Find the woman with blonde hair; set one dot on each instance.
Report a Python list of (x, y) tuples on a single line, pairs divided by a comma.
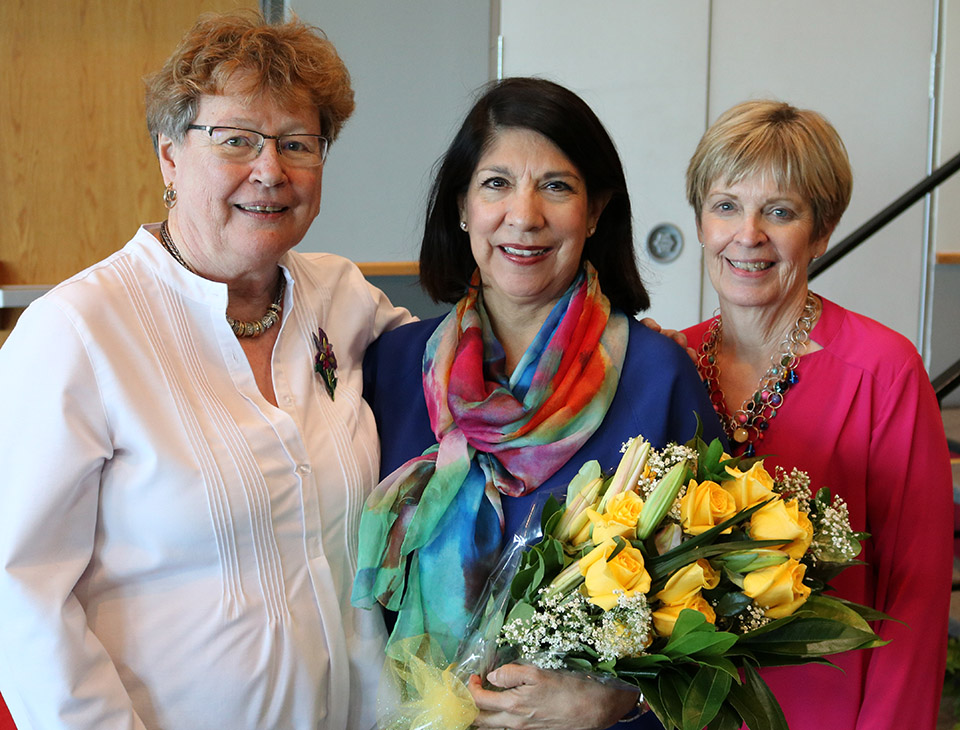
[(812, 385)]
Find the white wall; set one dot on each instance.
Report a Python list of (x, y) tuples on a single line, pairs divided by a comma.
[(414, 65), (657, 72), (865, 65), (642, 67)]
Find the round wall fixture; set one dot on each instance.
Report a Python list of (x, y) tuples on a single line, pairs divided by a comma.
[(664, 243)]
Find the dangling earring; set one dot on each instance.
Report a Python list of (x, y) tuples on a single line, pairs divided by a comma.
[(170, 196), (463, 226)]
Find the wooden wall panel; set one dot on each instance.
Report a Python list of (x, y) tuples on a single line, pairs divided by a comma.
[(78, 173)]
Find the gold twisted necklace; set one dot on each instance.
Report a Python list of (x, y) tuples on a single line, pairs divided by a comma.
[(239, 327), (749, 423)]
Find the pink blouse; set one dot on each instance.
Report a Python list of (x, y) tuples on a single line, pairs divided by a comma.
[(864, 421)]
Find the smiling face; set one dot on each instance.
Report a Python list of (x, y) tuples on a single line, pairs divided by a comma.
[(757, 243), (232, 219), (528, 214)]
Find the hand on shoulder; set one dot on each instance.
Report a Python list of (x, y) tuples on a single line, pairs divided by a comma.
[(675, 335)]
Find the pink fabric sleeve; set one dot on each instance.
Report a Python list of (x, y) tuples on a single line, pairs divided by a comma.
[(910, 510)]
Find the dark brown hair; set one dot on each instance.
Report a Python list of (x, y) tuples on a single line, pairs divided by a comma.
[(446, 261)]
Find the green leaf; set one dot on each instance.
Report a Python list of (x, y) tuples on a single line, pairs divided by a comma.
[(809, 636), (721, 663), (554, 559), (673, 686), (578, 664), (704, 697), (831, 608), (711, 460), (762, 659), (726, 719), (620, 545), (651, 694), (520, 585), (688, 621), (521, 610), (636, 662), (756, 704), (866, 612), (702, 643), (731, 604), (607, 667), (693, 634), (528, 581), (551, 514)]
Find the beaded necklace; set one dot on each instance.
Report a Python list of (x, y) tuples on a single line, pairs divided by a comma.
[(239, 327), (748, 424)]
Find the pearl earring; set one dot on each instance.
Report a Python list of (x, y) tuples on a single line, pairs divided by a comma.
[(463, 226)]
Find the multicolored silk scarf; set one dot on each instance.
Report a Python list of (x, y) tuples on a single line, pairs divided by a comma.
[(432, 531)]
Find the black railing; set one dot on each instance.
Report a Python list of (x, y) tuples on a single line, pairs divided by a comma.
[(837, 252), (949, 380)]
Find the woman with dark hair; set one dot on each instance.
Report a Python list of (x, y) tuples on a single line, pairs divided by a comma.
[(540, 367)]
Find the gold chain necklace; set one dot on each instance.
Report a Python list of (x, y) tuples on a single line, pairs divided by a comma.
[(749, 423), (239, 327)]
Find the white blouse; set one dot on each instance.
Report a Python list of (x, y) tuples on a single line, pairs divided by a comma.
[(176, 552)]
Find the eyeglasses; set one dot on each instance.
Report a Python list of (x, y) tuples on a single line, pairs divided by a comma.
[(244, 145)]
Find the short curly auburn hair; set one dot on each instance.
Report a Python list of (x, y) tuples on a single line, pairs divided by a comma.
[(292, 63)]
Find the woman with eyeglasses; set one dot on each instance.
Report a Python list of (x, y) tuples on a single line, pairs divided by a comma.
[(185, 449)]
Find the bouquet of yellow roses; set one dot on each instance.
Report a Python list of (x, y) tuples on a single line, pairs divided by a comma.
[(680, 575)]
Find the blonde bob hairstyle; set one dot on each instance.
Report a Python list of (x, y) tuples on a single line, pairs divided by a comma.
[(797, 148), (291, 63)]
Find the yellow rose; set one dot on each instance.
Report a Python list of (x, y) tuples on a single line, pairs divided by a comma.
[(620, 518), (666, 616), (688, 581), (750, 487), (625, 573), (625, 508), (605, 529), (704, 505), (779, 589), (783, 520)]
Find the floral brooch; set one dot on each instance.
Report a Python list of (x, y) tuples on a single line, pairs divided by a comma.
[(325, 362)]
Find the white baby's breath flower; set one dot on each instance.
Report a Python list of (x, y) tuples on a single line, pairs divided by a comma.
[(625, 630), (563, 625), (753, 618), (795, 485), (833, 538)]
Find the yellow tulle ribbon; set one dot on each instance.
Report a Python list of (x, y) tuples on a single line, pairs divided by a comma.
[(421, 691)]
